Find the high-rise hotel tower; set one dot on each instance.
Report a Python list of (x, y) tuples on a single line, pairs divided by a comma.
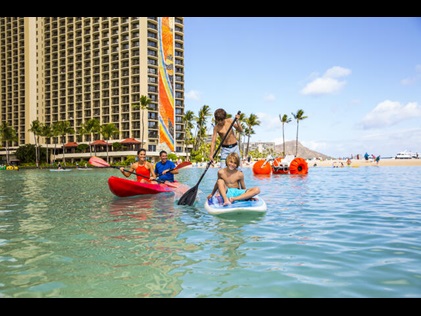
[(80, 68)]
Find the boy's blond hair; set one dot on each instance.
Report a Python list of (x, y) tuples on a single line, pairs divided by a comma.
[(234, 157)]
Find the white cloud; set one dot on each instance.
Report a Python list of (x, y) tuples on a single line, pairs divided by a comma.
[(388, 113), (328, 83), (269, 97), (193, 95), (411, 80)]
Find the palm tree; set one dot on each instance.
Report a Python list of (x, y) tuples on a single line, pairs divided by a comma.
[(63, 128), (284, 120), (142, 105), (242, 118), (36, 128), (107, 130), (92, 126), (56, 132), (188, 119), (47, 132), (201, 130), (7, 134), (299, 116), (251, 121)]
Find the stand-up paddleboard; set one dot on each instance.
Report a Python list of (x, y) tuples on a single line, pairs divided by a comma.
[(215, 205), (60, 169)]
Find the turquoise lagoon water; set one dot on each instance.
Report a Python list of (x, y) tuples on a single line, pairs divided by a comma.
[(336, 232)]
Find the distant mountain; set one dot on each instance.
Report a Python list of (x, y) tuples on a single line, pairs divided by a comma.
[(303, 152)]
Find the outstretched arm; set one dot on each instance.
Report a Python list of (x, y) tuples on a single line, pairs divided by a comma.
[(127, 174), (215, 188)]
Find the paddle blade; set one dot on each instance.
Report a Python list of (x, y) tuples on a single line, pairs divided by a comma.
[(183, 164), (189, 197), (98, 162)]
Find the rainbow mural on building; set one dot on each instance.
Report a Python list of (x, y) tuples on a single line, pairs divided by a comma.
[(165, 83)]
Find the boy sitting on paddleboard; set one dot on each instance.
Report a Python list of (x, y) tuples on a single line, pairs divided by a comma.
[(230, 182)]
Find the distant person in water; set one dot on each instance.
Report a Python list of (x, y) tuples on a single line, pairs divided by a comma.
[(230, 182)]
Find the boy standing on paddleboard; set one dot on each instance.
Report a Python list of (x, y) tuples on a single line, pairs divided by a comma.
[(222, 125), (230, 182)]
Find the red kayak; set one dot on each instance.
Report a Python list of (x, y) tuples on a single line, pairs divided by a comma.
[(123, 187)]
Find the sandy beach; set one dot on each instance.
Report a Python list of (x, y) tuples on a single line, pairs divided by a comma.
[(342, 163), (367, 163)]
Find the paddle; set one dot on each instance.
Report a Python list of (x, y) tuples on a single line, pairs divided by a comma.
[(190, 196), (101, 163)]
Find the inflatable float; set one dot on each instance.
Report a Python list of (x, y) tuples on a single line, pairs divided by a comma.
[(287, 165), (10, 168), (215, 205)]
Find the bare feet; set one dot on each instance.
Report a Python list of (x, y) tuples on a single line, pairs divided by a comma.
[(227, 203)]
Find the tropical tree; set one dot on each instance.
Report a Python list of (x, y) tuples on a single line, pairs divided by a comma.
[(36, 129), (299, 116), (251, 121), (107, 131), (92, 127), (284, 120), (143, 104), (239, 134), (201, 128), (188, 119), (7, 134), (26, 153), (46, 132), (56, 133), (63, 128)]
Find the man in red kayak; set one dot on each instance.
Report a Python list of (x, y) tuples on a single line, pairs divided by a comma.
[(144, 169), (165, 168)]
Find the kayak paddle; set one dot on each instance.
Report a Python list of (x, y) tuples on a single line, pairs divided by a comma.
[(101, 163), (190, 196)]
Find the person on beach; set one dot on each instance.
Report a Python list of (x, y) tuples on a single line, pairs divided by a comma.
[(165, 168), (230, 145), (377, 159), (230, 182), (144, 169)]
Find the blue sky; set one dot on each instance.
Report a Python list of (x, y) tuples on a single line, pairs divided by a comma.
[(358, 79)]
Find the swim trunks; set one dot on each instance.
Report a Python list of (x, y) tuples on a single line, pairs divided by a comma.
[(234, 192)]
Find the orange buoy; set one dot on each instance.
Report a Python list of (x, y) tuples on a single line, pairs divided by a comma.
[(278, 167), (262, 167), (298, 166)]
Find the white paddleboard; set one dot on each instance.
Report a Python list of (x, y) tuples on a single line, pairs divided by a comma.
[(215, 205)]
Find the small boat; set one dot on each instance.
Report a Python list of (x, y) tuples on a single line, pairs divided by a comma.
[(406, 155), (123, 187), (60, 169), (215, 205)]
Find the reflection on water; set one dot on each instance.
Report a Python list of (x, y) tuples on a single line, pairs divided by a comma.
[(343, 232)]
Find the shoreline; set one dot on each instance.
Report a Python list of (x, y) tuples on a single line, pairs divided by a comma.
[(387, 162), (366, 163)]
